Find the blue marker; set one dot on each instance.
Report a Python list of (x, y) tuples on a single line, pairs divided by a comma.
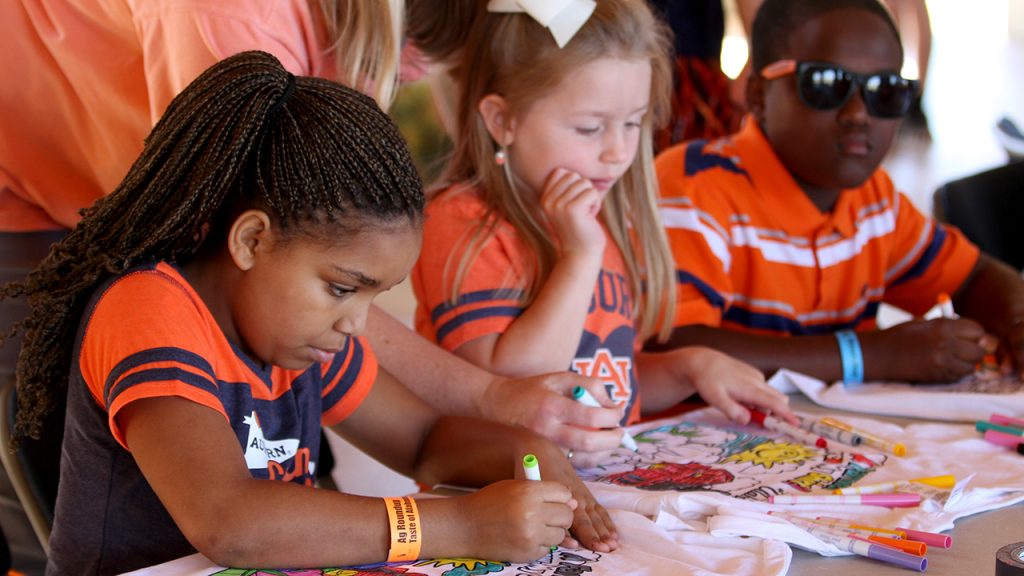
[(581, 395)]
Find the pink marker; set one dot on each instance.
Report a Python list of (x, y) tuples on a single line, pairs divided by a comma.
[(893, 500), (1003, 438), (1006, 420), (929, 538)]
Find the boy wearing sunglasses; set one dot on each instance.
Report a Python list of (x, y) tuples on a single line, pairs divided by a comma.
[(791, 228)]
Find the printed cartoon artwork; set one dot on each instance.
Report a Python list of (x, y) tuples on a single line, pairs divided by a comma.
[(688, 456), (678, 456), (559, 563)]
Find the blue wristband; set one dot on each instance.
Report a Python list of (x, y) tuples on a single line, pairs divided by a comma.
[(849, 354)]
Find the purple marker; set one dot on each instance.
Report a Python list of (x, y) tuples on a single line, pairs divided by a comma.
[(929, 538), (869, 550)]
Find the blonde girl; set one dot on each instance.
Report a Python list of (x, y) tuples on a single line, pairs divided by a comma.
[(545, 251)]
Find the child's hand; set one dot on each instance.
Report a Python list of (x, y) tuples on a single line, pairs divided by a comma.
[(544, 405), (571, 204), (591, 525), (518, 520), (728, 384), (940, 350)]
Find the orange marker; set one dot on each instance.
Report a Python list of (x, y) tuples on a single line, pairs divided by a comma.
[(946, 306)]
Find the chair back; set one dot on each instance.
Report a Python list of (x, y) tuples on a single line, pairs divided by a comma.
[(33, 468), (988, 208)]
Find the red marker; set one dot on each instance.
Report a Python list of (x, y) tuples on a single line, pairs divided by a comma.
[(775, 425)]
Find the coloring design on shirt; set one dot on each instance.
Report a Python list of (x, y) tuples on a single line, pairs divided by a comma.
[(560, 562), (686, 456)]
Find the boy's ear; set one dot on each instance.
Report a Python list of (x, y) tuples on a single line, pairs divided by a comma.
[(250, 234), (495, 114), (755, 96)]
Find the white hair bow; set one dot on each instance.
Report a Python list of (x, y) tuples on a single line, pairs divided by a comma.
[(562, 17)]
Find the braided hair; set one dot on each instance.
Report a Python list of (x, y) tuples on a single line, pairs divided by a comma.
[(313, 154)]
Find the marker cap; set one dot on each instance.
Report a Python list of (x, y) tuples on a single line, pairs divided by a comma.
[(909, 546), (929, 538), (531, 468), (583, 396)]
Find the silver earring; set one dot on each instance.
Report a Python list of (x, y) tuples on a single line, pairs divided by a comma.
[(500, 157)]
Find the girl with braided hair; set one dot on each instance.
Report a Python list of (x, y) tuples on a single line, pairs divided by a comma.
[(204, 320)]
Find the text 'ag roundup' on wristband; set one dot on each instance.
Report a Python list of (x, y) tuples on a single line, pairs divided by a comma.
[(406, 537)]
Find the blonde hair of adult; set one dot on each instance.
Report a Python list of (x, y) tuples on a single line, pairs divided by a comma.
[(513, 56), (367, 44)]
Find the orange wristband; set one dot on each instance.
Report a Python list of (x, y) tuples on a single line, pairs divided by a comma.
[(405, 529)]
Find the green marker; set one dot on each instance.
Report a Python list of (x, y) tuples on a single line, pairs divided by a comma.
[(581, 395), (531, 468)]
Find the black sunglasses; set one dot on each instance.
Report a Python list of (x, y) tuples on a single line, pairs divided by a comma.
[(825, 86)]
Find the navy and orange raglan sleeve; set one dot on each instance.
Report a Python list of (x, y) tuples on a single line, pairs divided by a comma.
[(146, 337), (927, 258), (489, 297), (347, 380), (690, 180)]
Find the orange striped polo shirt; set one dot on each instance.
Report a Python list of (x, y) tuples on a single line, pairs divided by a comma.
[(753, 253)]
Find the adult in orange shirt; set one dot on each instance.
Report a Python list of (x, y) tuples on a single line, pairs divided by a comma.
[(790, 228), (93, 75)]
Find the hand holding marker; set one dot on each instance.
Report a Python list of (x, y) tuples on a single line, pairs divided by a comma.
[(581, 395), (531, 470), (944, 309)]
